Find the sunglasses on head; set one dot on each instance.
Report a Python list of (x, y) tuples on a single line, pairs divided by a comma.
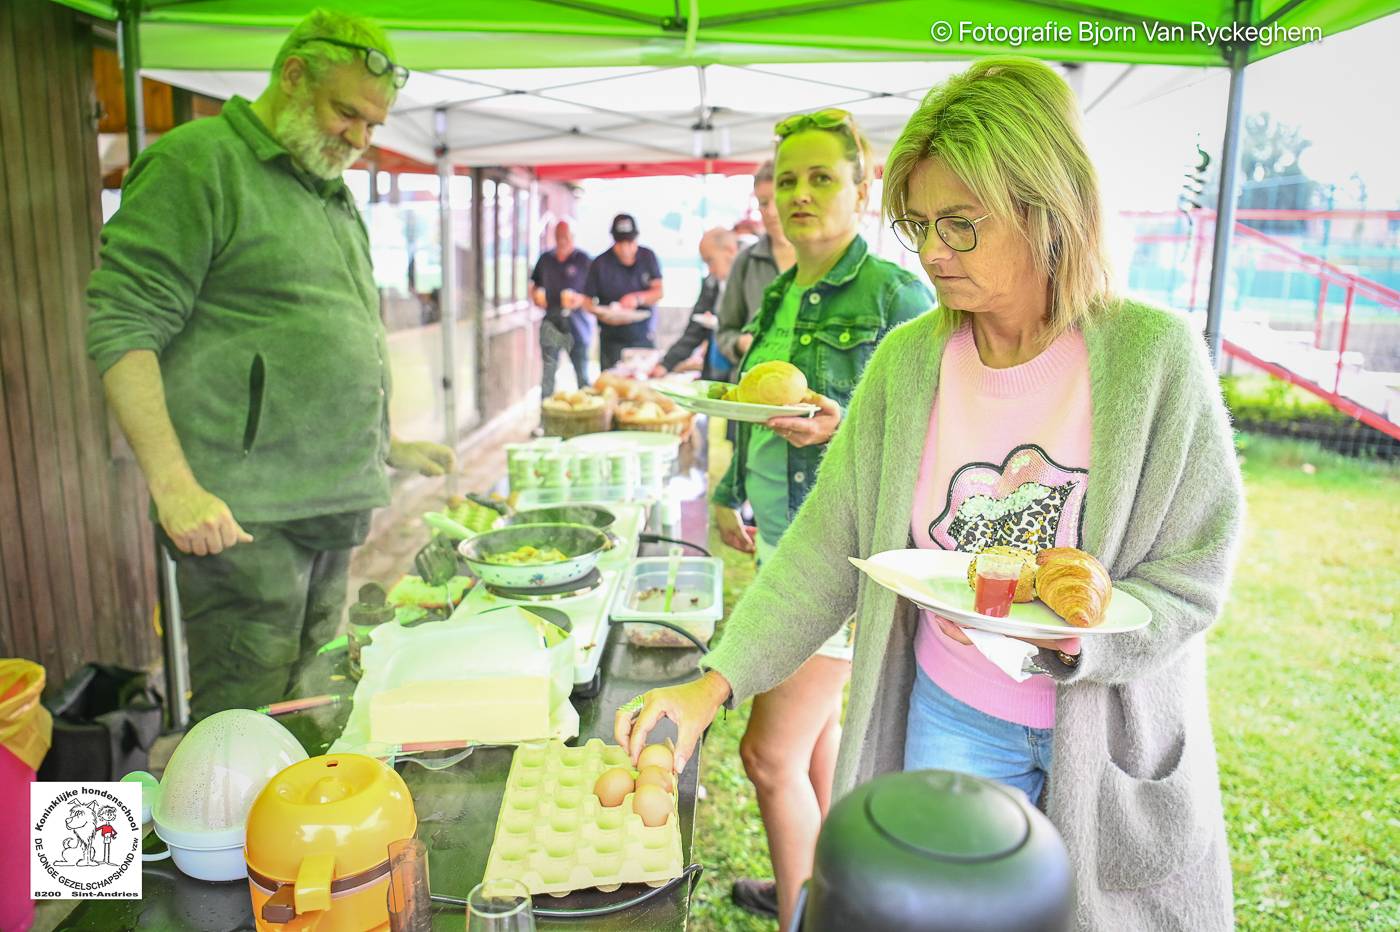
[(376, 62), (829, 119)]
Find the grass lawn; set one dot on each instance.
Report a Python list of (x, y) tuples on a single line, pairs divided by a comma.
[(1303, 700)]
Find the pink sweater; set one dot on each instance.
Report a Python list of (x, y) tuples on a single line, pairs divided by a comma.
[(1005, 462)]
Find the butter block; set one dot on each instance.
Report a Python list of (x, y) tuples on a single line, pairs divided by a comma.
[(489, 709)]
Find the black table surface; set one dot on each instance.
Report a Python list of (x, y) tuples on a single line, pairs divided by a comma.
[(457, 809)]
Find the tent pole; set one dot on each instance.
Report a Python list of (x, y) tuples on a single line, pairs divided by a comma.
[(129, 40), (447, 292), (176, 662), (1225, 203)]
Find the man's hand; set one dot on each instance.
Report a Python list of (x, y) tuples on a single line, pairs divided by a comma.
[(628, 301), (707, 320), (743, 343), (198, 522), (422, 456)]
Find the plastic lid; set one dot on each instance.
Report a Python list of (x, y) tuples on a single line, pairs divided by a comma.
[(948, 816), (346, 804), (219, 769)]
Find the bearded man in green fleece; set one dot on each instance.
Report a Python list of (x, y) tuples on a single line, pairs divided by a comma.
[(235, 321)]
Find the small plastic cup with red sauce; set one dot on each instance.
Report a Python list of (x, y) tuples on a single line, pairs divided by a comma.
[(997, 576)]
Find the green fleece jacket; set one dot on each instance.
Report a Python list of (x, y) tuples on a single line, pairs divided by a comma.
[(1134, 789), (252, 282)]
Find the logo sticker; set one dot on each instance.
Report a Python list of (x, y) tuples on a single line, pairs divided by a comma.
[(85, 841)]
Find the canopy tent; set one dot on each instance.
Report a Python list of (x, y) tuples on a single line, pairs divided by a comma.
[(657, 41), (445, 34), (614, 119)]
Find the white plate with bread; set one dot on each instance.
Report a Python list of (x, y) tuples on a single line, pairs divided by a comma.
[(1071, 580)]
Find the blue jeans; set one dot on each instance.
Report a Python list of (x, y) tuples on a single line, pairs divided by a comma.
[(945, 734)]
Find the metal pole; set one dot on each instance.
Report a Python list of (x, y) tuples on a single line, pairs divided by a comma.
[(177, 665), (129, 39), (447, 292), (1225, 203)]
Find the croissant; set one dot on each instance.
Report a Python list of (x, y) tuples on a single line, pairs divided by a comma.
[(1025, 585), (1074, 585)]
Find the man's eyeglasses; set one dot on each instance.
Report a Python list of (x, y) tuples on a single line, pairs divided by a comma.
[(958, 233), (376, 62), (832, 118)]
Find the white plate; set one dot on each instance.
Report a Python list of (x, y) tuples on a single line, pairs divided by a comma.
[(937, 580), (693, 397)]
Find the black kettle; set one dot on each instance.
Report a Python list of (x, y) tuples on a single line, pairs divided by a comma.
[(936, 851)]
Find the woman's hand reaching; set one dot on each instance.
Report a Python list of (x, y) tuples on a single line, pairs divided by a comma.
[(692, 706)]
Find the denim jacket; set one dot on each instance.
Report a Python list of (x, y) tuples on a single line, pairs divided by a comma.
[(841, 319)]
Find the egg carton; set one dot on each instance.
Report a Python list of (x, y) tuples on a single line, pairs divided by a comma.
[(554, 836)]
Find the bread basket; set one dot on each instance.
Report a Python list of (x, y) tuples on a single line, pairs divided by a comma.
[(559, 419)]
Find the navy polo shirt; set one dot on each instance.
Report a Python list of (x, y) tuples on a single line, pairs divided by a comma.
[(554, 276), (609, 280)]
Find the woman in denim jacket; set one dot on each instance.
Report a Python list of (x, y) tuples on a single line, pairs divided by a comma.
[(824, 315)]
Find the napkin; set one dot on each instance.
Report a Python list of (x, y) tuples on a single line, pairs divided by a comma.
[(1008, 654)]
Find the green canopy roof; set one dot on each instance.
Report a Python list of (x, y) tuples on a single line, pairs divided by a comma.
[(439, 34)]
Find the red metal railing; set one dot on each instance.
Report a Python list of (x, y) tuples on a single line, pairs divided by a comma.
[(1328, 275)]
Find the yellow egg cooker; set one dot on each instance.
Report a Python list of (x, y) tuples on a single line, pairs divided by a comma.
[(317, 844)]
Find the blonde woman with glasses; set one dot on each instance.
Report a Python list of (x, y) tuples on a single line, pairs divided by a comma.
[(1033, 408)]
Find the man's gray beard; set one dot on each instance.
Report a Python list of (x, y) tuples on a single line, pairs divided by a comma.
[(296, 129)]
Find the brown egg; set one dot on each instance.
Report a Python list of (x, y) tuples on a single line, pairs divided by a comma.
[(653, 804), (656, 755), (656, 776), (613, 786)]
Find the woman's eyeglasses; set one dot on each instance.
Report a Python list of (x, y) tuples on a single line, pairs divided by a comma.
[(376, 62), (832, 118), (958, 233)]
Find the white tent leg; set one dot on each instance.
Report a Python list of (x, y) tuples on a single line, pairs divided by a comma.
[(447, 293)]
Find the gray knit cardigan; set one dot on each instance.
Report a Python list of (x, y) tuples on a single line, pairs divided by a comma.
[(1134, 788)]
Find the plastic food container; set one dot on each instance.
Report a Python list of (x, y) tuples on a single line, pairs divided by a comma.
[(318, 844), (202, 804), (698, 601)]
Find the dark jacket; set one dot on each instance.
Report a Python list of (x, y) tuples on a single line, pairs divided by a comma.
[(696, 334), (754, 270)]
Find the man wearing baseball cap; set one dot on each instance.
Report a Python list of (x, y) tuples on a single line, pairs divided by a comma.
[(623, 287)]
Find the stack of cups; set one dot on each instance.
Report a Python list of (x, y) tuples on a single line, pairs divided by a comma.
[(623, 471), (589, 470), (555, 470), (522, 465), (652, 466)]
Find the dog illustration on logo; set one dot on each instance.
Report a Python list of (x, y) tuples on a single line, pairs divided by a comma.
[(72, 853), (82, 821)]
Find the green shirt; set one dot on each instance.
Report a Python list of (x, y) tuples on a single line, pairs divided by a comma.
[(251, 280), (766, 479)]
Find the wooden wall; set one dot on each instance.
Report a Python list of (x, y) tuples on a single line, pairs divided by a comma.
[(77, 576)]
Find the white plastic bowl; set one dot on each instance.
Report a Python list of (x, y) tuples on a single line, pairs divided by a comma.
[(205, 856), (218, 769)]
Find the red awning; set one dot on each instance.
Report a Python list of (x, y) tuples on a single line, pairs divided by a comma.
[(576, 171)]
